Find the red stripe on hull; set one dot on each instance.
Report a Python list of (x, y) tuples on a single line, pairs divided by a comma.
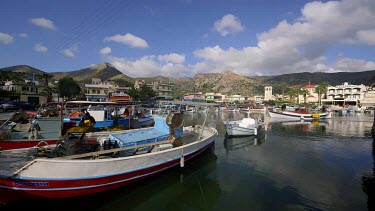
[(52, 188), (17, 144)]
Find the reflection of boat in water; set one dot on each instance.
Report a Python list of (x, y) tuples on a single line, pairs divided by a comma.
[(234, 143), (317, 123), (177, 189)]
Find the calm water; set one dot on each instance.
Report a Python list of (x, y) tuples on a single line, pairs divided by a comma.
[(290, 166)]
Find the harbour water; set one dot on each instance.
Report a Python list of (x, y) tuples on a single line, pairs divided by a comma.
[(324, 165)]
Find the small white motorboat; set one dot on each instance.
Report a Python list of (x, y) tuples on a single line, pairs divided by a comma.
[(244, 127)]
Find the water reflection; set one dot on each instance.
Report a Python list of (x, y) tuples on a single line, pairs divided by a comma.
[(368, 183), (189, 188), (235, 143)]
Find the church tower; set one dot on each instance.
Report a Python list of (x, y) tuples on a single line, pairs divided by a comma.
[(268, 93)]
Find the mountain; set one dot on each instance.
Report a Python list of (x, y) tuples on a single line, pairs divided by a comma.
[(20, 73), (104, 71), (227, 83), (22, 69)]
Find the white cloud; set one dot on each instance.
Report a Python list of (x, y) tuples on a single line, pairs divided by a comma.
[(43, 22), (40, 48), (173, 58), (5, 38), (352, 65), (70, 52), (128, 39), (149, 66), (105, 51), (299, 46), (23, 35), (366, 36), (228, 24)]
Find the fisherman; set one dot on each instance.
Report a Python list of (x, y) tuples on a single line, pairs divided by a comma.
[(34, 130), (88, 120), (283, 107)]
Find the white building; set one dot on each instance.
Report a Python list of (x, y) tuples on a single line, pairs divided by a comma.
[(311, 96), (344, 94)]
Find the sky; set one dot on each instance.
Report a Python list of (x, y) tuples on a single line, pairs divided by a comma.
[(181, 38)]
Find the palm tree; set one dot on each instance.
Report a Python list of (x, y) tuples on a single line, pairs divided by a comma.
[(48, 91), (283, 87), (304, 92), (292, 93), (321, 89)]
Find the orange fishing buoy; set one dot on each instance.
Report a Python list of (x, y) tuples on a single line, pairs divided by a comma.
[(74, 114)]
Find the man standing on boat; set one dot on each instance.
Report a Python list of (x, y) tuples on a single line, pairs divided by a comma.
[(88, 120), (34, 130)]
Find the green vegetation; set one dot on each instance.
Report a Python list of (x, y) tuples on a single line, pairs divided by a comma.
[(144, 93), (68, 88)]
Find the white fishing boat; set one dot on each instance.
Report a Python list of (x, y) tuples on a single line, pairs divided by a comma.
[(59, 172), (244, 127), (298, 115)]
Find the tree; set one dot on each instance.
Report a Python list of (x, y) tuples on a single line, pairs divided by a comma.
[(133, 93), (304, 92), (321, 89), (68, 88), (143, 93), (146, 93), (48, 92), (292, 93)]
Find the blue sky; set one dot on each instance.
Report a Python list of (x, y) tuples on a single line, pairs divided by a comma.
[(184, 37)]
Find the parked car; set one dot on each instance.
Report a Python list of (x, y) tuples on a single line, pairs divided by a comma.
[(16, 105)]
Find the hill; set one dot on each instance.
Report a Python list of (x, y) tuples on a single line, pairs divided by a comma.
[(227, 83), (104, 71), (20, 73)]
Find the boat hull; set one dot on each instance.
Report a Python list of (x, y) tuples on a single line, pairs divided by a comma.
[(233, 130), (17, 144), (292, 115)]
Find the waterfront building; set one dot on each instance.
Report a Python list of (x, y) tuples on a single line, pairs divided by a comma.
[(29, 90), (368, 98), (258, 99), (234, 98), (195, 97), (344, 94), (163, 89), (99, 91), (219, 98), (311, 96)]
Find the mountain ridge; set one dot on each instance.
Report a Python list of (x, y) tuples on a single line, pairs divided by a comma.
[(227, 82)]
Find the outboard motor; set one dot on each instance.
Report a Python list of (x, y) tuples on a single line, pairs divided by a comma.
[(175, 122)]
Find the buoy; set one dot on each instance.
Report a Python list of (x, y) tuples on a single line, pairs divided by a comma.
[(182, 161)]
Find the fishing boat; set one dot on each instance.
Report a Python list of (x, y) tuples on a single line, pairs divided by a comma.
[(277, 113), (21, 131), (79, 166), (108, 114), (257, 108), (244, 127), (244, 109), (189, 109)]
